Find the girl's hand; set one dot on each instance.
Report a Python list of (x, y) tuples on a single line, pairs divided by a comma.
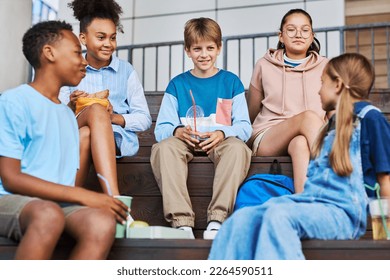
[(214, 138), (73, 97)]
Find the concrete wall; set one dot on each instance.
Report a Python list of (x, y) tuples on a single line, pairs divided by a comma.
[(152, 21), (15, 18), (149, 21)]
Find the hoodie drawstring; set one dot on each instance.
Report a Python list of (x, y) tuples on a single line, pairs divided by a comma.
[(283, 90), (304, 89)]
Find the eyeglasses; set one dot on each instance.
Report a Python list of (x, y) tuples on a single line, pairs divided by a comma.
[(292, 31)]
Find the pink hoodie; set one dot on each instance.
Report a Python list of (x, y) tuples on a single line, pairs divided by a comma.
[(286, 91)]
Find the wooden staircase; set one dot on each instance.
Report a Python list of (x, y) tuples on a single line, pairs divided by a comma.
[(136, 178)]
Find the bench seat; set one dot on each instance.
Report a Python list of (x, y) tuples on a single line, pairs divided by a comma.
[(136, 178)]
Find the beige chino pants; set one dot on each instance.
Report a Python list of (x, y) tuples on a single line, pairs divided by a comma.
[(169, 161)]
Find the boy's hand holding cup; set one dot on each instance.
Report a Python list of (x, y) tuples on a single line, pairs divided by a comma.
[(121, 227)]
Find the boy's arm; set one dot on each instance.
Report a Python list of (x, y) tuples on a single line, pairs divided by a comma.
[(16, 182), (241, 126), (138, 118), (168, 118)]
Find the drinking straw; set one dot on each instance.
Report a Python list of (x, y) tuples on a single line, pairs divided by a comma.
[(384, 222), (107, 184), (194, 108), (129, 219)]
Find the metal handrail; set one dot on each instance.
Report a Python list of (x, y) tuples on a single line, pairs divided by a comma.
[(153, 67), (325, 31), (44, 6)]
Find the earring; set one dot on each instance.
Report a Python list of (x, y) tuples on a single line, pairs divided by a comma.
[(282, 45)]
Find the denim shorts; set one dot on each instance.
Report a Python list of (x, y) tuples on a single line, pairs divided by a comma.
[(10, 208)]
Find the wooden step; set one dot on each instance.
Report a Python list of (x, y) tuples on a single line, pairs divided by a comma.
[(198, 249), (136, 179)]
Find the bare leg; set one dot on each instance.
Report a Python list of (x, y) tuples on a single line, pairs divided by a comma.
[(277, 140), (102, 143), (299, 151), (94, 231), (85, 155), (42, 223)]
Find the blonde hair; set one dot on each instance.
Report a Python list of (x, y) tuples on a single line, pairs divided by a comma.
[(357, 76), (202, 29)]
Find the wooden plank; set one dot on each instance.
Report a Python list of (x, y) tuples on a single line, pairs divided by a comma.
[(381, 82), (381, 99), (366, 7), (198, 249), (380, 51), (363, 37), (144, 249), (346, 249), (362, 19)]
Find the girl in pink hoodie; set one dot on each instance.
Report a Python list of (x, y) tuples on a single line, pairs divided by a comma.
[(283, 100)]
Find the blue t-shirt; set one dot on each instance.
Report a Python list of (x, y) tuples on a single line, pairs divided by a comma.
[(374, 143), (41, 134)]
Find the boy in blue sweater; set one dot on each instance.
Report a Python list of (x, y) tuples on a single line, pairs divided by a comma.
[(224, 124)]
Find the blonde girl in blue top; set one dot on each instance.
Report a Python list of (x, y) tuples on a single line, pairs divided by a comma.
[(333, 204)]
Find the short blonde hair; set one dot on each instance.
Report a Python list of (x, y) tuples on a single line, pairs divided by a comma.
[(202, 29)]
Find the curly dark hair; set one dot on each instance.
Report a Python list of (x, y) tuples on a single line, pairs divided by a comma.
[(87, 10), (42, 33)]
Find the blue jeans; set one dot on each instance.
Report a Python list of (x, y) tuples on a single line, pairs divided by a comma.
[(330, 207)]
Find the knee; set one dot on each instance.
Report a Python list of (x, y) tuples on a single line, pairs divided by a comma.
[(100, 226), (236, 147), (310, 115), (98, 113), (298, 144), (46, 216), (311, 118), (85, 136)]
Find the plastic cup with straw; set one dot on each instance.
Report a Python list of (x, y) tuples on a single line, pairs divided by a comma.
[(129, 218), (194, 108), (376, 188)]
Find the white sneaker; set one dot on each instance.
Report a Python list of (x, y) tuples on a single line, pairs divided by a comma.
[(189, 229), (212, 230), (210, 234)]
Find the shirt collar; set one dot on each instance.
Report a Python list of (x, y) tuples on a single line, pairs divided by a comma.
[(114, 64)]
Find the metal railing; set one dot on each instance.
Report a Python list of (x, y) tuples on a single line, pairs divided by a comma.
[(43, 11), (157, 63)]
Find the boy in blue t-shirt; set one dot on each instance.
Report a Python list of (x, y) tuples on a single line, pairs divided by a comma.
[(217, 98), (39, 157)]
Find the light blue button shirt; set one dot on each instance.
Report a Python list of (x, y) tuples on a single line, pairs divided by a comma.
[(126, 96)]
